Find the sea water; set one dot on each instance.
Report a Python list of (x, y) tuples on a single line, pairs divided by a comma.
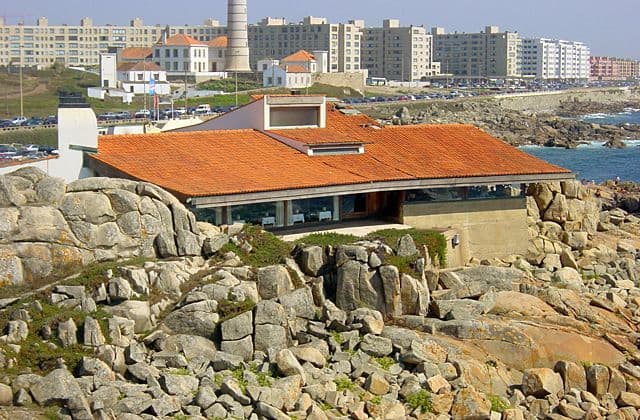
[(593, 161)]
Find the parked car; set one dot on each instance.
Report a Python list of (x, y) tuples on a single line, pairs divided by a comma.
[(7, 152), (123, 115), (143, 113), (203, 109), (5, 123), (51, 120), (17, 121), (30, 147)]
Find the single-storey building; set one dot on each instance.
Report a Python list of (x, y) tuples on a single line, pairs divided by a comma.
[(288, 161)]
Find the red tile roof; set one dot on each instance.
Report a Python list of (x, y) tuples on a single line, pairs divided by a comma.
[(183, 41), (340, 129), (295, 68), (136, 53), (219, 42), (210, 163), (140, 66), (300, 55)]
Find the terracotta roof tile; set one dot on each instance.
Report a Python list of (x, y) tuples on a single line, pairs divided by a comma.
[(139, 66), (183, 40), (210, 163), (219, 42), (136, 53), (295, 68), (300, 55)]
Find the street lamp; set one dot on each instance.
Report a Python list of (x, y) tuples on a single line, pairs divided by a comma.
[(21, 97)]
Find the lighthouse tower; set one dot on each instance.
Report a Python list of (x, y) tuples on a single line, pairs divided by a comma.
[(237, 57)]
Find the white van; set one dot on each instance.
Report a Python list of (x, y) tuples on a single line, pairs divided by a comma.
[(203, 109)]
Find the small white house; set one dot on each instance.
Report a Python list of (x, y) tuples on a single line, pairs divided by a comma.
[(280, 75), (293, 71), (137, 78)]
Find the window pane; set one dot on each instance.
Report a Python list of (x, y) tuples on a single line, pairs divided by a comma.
[(253, 213), (313, 210)]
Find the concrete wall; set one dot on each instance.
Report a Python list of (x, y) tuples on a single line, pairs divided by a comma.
[(356, 81), (487, 228), (549, 101)]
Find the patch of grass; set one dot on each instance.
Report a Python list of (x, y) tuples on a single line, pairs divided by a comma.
[(420, 399), (325, 406), (328, 238), (228, 309), (238, 375), (377, 399), (264, 378), (35, 355), (344, 384), (498, 404), (51, 413), (179, 371), (229, 85), (337, 337), (267, 250), (41, 136), (96, 274), (405, 265), (434, 241), (384, 362)]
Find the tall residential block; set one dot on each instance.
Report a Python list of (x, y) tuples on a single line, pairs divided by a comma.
[(274, 38), (397, 53), (613, 68), (237, 55), (486, 54), (551, 59), (42, 45)]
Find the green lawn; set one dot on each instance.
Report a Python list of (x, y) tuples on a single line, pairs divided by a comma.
[(41, 90)]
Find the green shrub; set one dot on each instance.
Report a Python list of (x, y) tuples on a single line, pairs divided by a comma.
[(328, 238), (228, 309), (267, 250), (344, 384), (385, 362), (498, 404), (434, 241), (420, 399)]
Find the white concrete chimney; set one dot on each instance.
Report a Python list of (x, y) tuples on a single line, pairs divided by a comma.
[(237, 55)]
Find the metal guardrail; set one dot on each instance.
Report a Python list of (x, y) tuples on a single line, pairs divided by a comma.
[(27, 127)]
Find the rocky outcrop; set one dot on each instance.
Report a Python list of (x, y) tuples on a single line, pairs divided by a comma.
[(48, 228), (339, 331), (516, 127)]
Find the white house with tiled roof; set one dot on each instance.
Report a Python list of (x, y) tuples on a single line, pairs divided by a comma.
[(182, 54), (137, 78), (292, 72)]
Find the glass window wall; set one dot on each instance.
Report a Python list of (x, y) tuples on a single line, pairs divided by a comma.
[(258, 214), (312, 210)]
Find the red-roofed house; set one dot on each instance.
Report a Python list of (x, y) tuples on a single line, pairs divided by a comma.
[(181, 54), (143, 77), (217, 53), (293, 72), (285, 161)]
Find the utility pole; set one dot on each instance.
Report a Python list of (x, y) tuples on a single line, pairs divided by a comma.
[(21, 97)]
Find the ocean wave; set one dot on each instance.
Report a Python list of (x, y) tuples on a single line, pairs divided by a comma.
[(596, 116)]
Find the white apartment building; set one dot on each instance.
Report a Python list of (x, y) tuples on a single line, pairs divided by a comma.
[(549, 59), (182, 54), (42, 45), (277, 38), (398, 53), (486, 54)]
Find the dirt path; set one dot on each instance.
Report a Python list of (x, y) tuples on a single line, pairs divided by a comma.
[(41, 88)]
